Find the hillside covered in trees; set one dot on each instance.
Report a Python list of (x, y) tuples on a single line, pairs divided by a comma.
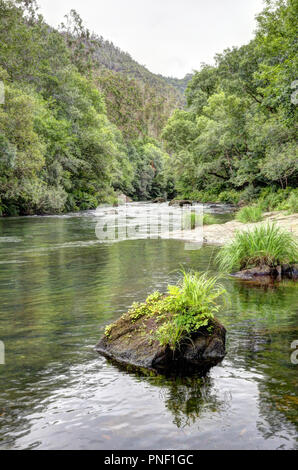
[(237, 138), (82, 120)]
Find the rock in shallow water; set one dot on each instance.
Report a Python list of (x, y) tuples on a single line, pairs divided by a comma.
[(133, 343), (285, 271)]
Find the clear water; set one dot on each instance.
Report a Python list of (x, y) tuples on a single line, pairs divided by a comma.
[(59, 287)]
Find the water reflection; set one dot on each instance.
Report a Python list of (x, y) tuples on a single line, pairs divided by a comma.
[(58, 290)]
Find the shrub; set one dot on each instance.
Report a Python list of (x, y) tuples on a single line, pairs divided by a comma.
[(249, 214), (199, 196), (249, 194), (229, 197), (193, 307), (265, 245), (271, 200), (291, 204)]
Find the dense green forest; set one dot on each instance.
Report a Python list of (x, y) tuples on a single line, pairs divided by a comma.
[(237, 139), (83, 121)]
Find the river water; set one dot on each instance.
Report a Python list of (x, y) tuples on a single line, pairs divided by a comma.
[(60, 286)]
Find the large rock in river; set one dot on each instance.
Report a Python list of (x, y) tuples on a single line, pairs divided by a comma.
[(133, 342)]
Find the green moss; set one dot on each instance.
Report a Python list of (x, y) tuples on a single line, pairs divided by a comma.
[(108, 330)]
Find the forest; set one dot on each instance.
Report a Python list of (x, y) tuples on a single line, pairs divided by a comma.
[(82, 121)]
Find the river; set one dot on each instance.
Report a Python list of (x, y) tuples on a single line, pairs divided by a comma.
[(60, 286)]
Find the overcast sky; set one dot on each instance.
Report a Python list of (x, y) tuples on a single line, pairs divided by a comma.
[(171, 37)]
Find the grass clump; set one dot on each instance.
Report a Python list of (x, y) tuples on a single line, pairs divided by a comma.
[(249, 214), (267, 245), (185, 309), (192, 306), (193, 220)]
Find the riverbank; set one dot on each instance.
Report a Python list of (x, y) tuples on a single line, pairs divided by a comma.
[(219, 234)]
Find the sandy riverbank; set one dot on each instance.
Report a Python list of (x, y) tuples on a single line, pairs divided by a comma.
[(219, 234)]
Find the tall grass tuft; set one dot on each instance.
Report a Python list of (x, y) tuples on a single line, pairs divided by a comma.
[(265, 245), (249, 214), (199, 291), (192, 305)]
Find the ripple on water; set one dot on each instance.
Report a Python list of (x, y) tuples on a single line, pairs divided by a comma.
[(57, 393)]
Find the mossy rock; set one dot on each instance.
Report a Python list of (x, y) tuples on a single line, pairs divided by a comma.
[(132, 341)]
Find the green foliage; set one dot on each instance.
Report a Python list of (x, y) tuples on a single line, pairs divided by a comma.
[(71, 132), (193, 307), (249, 214), (239, 133), (229, 197), (136, 110), (82, 120), (148, 162), (270, 200), (265, 245), (108, 329), (291, 204), (183, 311)]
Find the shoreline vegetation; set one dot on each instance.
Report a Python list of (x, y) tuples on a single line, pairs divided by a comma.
[(83, 124)]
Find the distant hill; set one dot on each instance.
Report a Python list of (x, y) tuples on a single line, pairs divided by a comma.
[(138, 101), (113, 58), (179, 83)]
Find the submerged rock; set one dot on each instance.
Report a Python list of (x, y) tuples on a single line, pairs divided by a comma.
[(132, 342)]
